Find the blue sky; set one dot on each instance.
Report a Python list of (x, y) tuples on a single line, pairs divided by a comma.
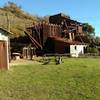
[(80, 10)]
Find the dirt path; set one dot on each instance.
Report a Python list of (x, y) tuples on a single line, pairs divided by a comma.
[(23, 62)]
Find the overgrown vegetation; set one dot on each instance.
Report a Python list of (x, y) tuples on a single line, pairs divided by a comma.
[(92, 50), (18, 19), (88, 29), (75, 79)]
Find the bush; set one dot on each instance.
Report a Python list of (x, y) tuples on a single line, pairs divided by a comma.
[(92, 50)]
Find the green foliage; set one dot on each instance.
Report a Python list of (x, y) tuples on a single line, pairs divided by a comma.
[(97, 39), (88, 29), (75, 79), (92, 50)]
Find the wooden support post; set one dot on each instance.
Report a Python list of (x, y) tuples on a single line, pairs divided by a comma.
[(70, 36), (73, 36)]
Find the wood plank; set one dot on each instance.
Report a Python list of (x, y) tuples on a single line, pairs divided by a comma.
[(3, 55)]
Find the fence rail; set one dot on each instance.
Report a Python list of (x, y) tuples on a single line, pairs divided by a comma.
[(81, 55)]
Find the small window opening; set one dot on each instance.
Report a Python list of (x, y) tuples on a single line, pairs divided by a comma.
[(75, 47)]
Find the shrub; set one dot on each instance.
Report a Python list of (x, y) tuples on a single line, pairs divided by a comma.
[(92, 50)]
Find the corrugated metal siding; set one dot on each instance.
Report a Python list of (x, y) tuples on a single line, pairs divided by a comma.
[(3, 55), (50, 30)]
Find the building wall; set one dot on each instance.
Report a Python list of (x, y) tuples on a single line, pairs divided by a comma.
[(75, 50), (53, 45), (4, 56), (3, 37)]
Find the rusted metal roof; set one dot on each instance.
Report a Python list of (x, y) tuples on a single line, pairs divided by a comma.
[(67, 41)]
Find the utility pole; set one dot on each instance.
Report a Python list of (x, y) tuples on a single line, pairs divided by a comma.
[(8, 22), (8, 29)]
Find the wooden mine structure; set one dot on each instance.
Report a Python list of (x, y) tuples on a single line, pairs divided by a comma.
[(39, 33), (59, 26)]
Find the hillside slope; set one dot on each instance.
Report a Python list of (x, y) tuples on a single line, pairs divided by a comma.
[(16, 19)]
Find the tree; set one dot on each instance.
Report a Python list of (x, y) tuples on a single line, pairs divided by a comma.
[(97, 39), (88, 29)]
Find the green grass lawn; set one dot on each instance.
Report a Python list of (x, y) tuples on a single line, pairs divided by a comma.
[(75, 79)]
